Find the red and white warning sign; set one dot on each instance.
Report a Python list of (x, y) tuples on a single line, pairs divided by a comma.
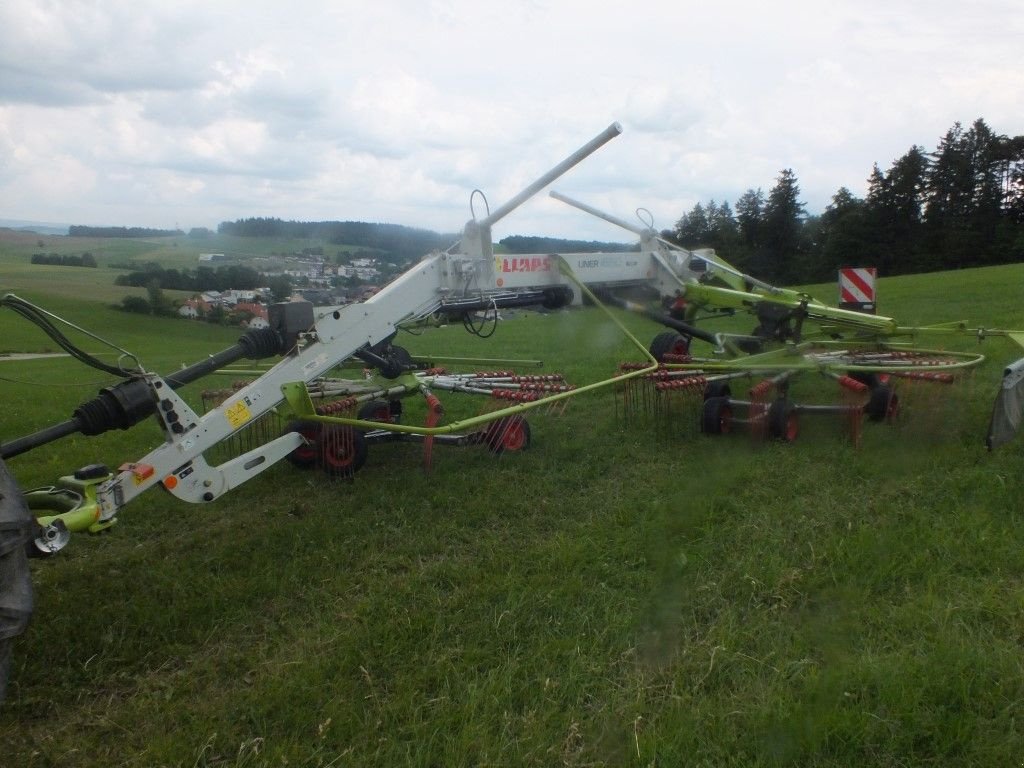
[(857, 288)]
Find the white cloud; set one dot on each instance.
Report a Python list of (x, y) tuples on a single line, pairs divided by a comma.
[(229, 142), (198, 112)]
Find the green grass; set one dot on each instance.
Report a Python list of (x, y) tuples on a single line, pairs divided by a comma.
[(151, 339), (626, 592), (170, 252), (71, 283), (18, 275)]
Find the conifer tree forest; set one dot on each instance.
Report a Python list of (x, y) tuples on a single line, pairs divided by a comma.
[(961, 205)]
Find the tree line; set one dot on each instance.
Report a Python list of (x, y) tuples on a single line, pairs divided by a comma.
[(402, 244), (961, 205), (64, 259), (531, 244), (198, 280), (79, 230)]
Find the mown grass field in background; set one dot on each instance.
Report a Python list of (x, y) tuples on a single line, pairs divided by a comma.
[(180, 252), (19, 275), (625, 592)]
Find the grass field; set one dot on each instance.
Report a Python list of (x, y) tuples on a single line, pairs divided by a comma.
[(20, 276), (625, 592), (170, 252)]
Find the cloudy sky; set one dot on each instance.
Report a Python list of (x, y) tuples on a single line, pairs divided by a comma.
[(182, 113)]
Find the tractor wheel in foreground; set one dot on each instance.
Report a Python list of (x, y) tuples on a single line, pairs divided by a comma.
[(381, 410), (342, 450), (783, 422), (511, 433), (304, 457), (716, 418), (883, 405), (669, 343)]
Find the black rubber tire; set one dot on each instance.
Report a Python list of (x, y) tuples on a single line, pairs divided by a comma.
[(717, 389), (305, 456), (716, 417), (342, 450), (399, 362), (669, 343), (377, 410), (782, 421), (751, 345), (869, 380), (557, 297), (511, 433), (883, 404)]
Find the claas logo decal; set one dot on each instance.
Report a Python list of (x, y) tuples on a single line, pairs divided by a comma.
[(523, 264)]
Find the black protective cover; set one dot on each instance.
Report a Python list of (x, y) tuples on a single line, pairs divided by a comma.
[(16, 531)]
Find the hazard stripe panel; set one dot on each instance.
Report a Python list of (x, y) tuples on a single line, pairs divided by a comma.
[(857, 285)]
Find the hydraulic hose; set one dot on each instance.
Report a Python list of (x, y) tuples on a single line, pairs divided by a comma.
[(661, 317), (128, 402)]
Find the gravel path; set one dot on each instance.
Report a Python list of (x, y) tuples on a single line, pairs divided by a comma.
[(32, 355)]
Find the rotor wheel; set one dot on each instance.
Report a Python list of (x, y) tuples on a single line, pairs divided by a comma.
[(342, 450), (511, 433), (873, 365), (716, 418), (305, 456), (669, 343), (783, 421), (883, 404)]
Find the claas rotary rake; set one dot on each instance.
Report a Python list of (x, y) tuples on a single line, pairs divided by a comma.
[(325, 420), (741, 378)]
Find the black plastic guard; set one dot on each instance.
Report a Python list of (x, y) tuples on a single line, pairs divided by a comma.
[(1008, 408), (16, 530)]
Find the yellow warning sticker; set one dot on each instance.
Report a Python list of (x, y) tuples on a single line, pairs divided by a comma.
[(237, 414)]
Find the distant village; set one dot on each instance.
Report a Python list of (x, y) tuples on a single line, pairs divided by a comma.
[(317, 281)]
